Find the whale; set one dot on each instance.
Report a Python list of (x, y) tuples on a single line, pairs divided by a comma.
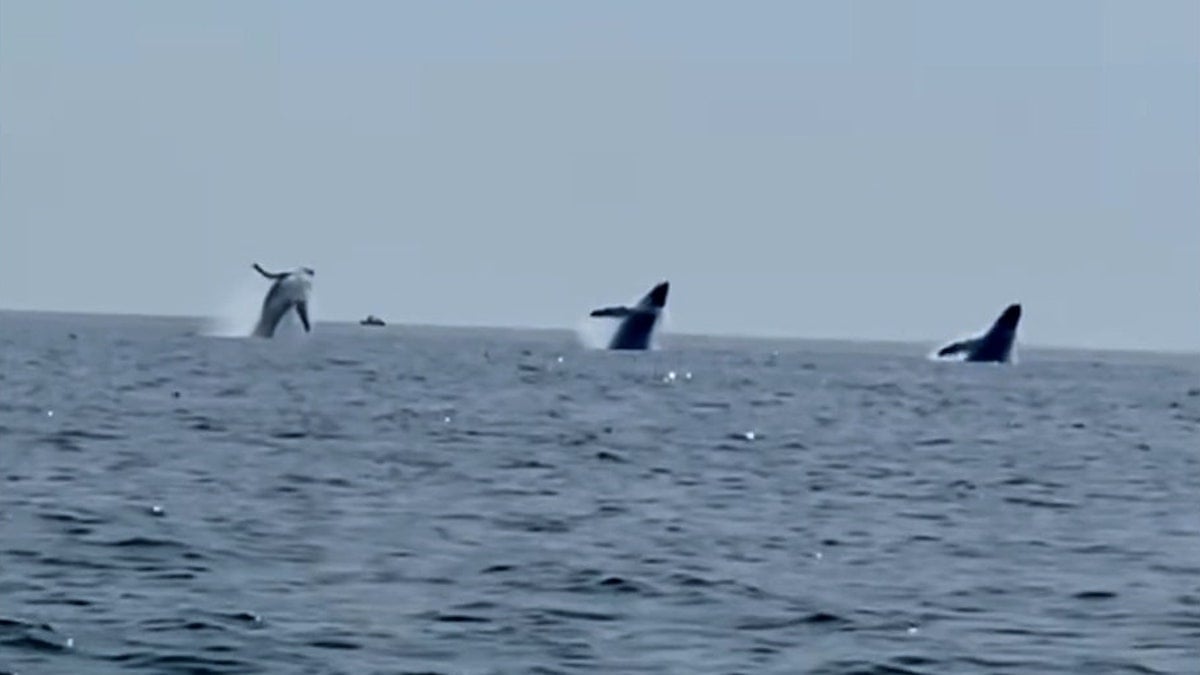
[(637, 322), (994, 346), (289, 290)]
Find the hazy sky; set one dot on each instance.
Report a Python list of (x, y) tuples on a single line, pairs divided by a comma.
[(877, 170)]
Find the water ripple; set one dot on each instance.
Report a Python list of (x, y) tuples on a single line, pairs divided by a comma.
[(446, 501)]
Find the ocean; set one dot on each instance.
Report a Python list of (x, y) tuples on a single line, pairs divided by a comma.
[(444, 500)]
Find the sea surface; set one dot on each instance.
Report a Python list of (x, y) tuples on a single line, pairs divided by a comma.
[(435, 500)]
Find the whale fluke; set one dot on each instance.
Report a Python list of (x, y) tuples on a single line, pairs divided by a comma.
[(637, 322), (289, 291), (995, 346)]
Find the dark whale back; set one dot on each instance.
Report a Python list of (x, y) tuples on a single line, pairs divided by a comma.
[(635, 332), (996, 345), (638, 322)]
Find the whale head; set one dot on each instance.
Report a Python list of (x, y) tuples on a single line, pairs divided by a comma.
[(1009, 319), (657, 297)]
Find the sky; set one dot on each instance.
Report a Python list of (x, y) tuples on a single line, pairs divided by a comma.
[(863, 170)]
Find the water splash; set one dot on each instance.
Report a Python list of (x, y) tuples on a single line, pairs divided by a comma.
[(594, 333), (239, 312)]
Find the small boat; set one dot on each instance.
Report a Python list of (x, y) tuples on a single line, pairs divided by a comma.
[(372, 320)]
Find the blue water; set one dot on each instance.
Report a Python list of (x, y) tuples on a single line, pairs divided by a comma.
[(408, 499)]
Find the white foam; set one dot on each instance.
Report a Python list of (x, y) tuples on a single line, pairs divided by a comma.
[(236, 316), (595, 333)]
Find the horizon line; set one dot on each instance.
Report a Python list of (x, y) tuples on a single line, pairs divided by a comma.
[(567, 329)]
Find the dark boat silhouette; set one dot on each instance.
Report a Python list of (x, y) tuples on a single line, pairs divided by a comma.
[(372, 320)]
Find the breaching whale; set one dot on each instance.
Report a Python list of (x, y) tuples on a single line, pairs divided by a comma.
[(996, 345), (290, 290), (637, 322)]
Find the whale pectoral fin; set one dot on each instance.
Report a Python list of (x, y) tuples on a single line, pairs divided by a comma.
[(302, 310), (270, 275), (618, 312), (955, 347)]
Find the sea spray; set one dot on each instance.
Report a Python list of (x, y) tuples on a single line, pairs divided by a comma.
[(237, 315)]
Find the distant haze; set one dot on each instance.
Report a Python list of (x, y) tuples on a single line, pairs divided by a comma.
[(881, 170)]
